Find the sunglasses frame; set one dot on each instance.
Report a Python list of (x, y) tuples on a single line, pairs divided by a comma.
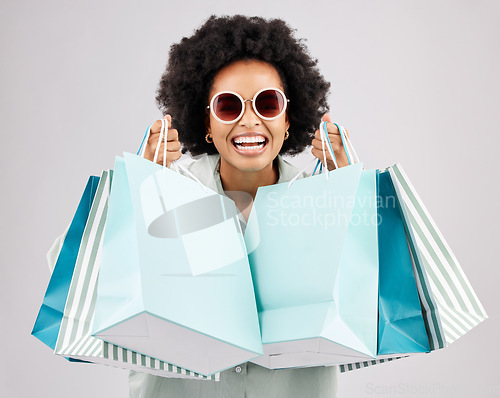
[(243, 101)]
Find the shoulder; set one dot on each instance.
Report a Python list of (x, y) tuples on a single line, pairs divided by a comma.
[(202, 163), (203, 167), (288, 171)]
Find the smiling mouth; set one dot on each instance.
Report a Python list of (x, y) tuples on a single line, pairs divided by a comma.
[(249, 143)]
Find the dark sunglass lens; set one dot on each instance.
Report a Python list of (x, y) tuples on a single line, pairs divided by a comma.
[(227, 107), (270, 103)]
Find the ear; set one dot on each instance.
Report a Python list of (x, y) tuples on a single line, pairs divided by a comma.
[(287, 121)]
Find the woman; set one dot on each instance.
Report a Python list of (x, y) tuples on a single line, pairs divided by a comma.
[(243, 91)]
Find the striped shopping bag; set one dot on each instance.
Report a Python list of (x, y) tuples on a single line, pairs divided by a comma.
[(449, 303), (450, 306), (75, 339)]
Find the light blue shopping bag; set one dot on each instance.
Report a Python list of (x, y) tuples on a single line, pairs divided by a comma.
[(401, 327), (313, 254), (48, 321), (175, 283)]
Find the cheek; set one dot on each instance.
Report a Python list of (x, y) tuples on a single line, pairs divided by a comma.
[(278, 130), (217, 129), (220, 133)]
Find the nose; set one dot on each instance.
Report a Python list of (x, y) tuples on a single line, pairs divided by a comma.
[(249, 117)]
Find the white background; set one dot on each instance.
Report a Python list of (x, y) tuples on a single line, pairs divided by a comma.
[(413, 81)]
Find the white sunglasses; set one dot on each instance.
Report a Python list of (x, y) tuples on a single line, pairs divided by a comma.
[(228, 107)]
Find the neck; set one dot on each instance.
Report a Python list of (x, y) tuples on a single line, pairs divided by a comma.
[(234, 179)]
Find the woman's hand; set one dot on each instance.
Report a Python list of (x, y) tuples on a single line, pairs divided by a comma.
[(338, 148), (173, 144)]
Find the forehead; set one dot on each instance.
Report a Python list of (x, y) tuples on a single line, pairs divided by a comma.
[(246, 77)]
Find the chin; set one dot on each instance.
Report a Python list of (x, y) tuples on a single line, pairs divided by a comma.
[(252, 165), (248, 164)]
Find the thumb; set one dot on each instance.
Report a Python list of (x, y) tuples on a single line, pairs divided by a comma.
[(327, 118), (169, 119)]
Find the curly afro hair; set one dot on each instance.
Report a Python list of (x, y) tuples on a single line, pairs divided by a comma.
[(193, 63)]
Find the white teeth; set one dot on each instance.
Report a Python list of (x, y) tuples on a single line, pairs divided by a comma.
[(250, 140), (250, 147)]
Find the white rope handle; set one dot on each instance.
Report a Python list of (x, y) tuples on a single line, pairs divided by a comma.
[(157, 151), (323, 132), (356, 158), (163, 133), (330, 149), (326, 141), (176, 166), (165, 146), (345, 144)]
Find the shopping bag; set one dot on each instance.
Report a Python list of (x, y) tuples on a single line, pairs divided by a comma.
[(401, 327), (49, 317), (313, 253), (316, 285), (75, 340), (451, 307), (174, 282)]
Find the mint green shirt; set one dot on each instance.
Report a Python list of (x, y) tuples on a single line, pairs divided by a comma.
[(247, 380)]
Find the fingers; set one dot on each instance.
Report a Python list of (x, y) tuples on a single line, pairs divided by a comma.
[(327, 118), (337, 145), (173, 152), (332, 131), (156, 127), (173, 144), (168, 118), (174, 156), (172, 135), (318, 153)]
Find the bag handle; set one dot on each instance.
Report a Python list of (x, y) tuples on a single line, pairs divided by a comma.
[(319, 164), (163, 134), (142, 147), (325, 141), (145, 139), (346, 144), (349, 147)]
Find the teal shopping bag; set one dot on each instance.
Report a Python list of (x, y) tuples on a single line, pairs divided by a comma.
[(174, 281), (401, 324), (49, 317), (313, 254)]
